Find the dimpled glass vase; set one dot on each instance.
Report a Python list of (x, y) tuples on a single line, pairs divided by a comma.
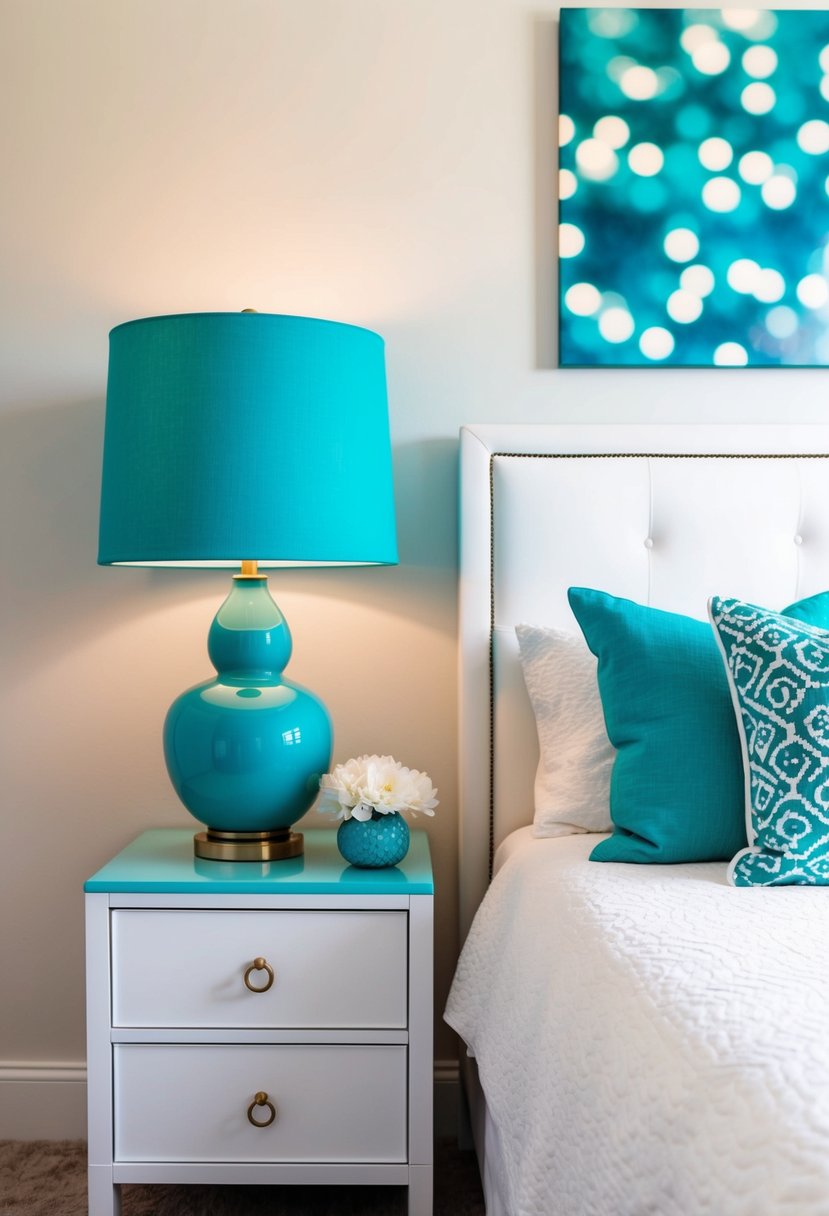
[(373, 843)]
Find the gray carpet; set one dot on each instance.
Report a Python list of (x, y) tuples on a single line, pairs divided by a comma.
[(48, 1178)]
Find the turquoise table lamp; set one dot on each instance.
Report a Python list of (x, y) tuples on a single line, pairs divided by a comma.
[(246, 440)]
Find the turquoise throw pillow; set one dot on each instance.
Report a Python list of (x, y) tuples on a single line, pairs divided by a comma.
[(778, 674), (676, 791)]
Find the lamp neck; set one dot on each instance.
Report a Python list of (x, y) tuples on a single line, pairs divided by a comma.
[(250, 569), (249, 635)]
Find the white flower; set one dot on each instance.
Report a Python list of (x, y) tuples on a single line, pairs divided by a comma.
[(376, 783)]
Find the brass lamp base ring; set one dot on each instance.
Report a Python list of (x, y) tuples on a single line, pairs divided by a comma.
[(248, 846)]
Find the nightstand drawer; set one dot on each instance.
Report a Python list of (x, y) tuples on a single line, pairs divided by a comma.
[(190, 1103), (330, 969)]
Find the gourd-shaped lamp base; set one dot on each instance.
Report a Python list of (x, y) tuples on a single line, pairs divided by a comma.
[(245, 751)]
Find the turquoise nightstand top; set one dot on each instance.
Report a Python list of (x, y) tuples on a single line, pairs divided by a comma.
[(162, 860)]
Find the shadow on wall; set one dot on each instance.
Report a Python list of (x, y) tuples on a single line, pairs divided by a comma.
[(50, 476), (545, 157), (426, 493)]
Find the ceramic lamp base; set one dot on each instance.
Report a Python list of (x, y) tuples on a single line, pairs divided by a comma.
[(246, 749), (248, 846)]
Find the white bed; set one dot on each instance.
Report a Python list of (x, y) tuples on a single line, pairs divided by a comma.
[(648, 1039)]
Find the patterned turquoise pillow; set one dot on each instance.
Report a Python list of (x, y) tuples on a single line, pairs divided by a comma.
[(778, 674)]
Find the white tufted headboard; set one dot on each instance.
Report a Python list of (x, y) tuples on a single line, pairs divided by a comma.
[(663, 515)]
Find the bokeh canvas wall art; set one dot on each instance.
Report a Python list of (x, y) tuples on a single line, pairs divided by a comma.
[(694, 187)]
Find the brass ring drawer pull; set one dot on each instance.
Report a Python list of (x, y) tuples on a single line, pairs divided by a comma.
[(259, 964), (262, 1099)]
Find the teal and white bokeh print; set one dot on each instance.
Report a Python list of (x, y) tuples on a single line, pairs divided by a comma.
[(693, 179)]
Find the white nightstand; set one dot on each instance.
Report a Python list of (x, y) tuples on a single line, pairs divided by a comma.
[(252, 1023)]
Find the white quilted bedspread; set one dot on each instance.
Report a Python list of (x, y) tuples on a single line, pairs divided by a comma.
[(652, 1042)]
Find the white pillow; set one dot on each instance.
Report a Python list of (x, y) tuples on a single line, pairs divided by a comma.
[(572, 783)]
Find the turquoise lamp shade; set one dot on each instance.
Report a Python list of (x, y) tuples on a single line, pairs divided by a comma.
[(262, 440), (232, 435)]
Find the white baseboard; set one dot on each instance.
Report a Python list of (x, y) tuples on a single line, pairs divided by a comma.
[(43, 1101)]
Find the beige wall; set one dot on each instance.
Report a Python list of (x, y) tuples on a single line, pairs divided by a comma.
[(383, 162)]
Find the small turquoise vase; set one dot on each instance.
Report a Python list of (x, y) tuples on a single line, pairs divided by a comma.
[(373, 843)]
